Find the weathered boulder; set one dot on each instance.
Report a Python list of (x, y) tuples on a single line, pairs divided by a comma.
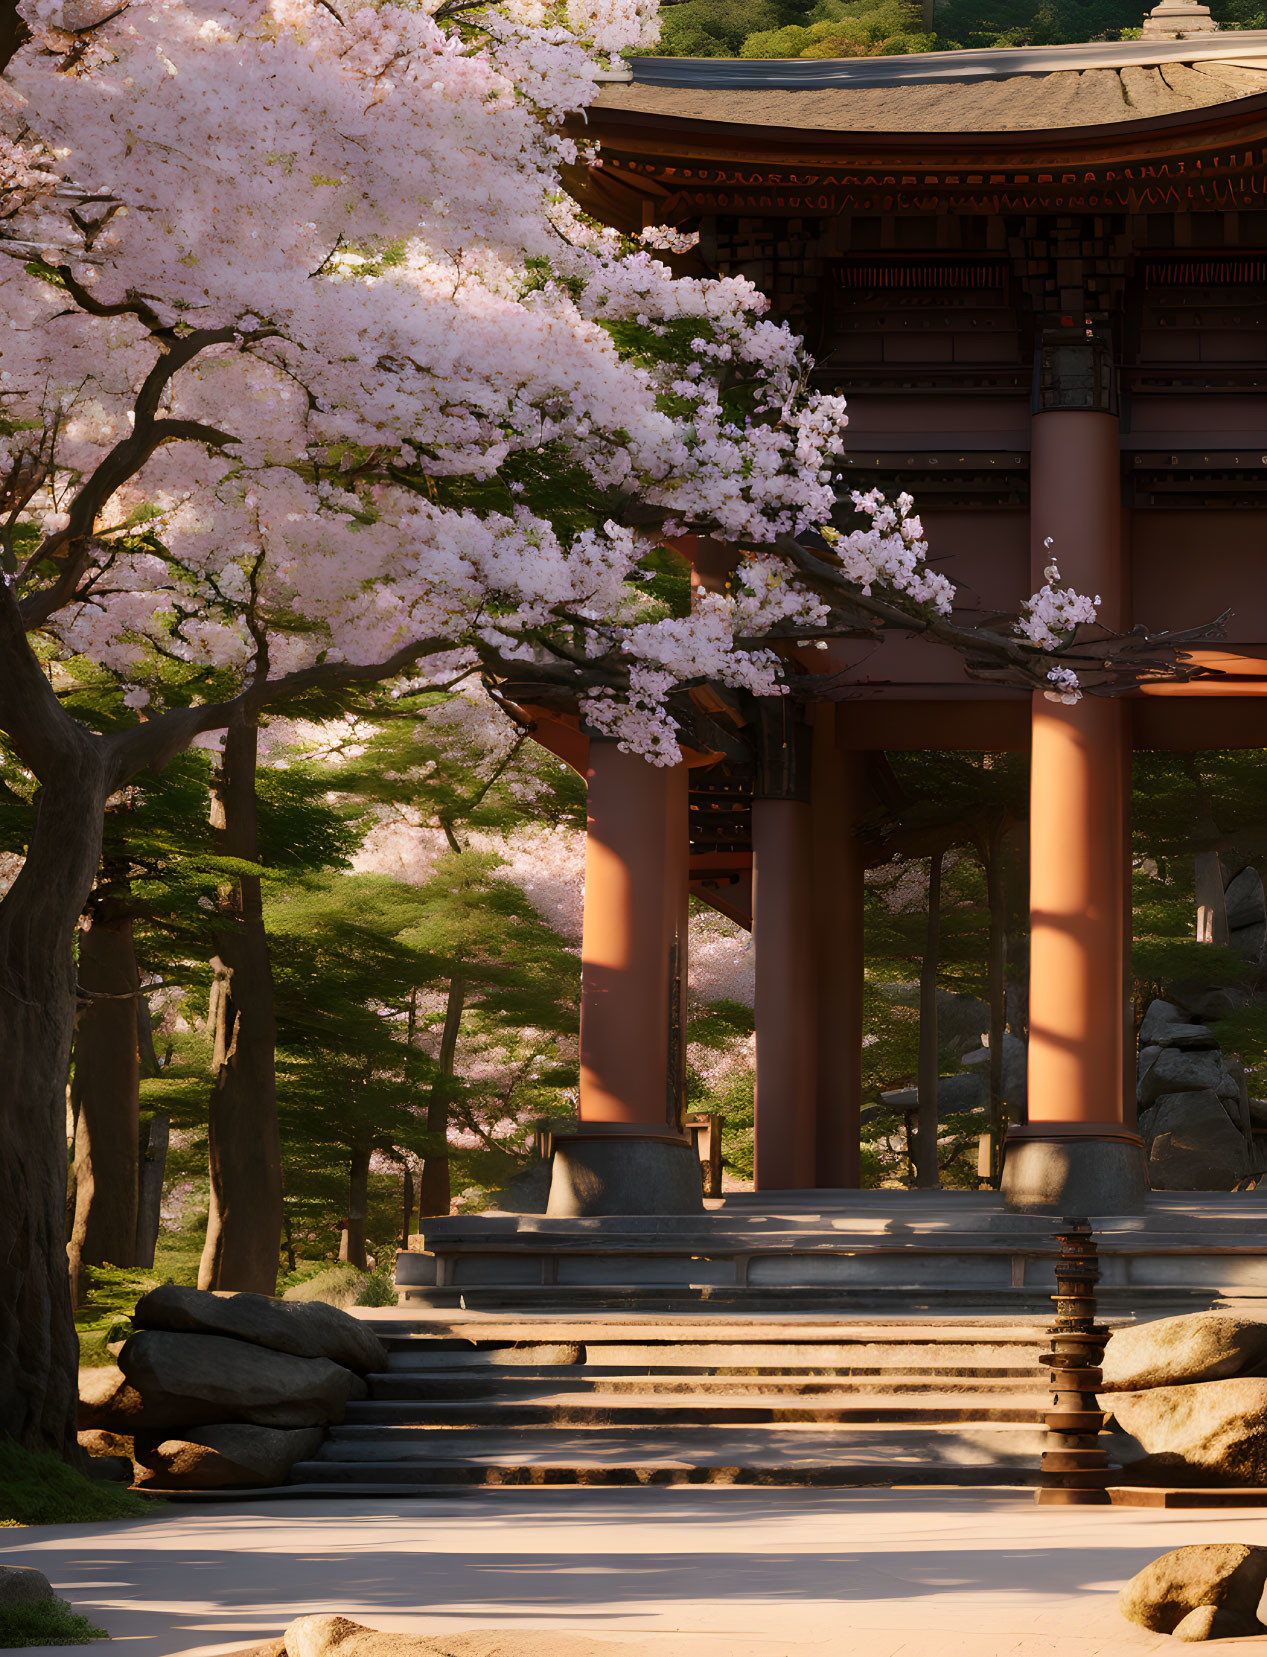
[(107, 1401), (326, 1636), (1249, 940), (1199, 1346), (1193, 1145), (1212, 1622), (1158, 1016), (1226, 1576), (1206, 1432), (1199, 1001), (20, 1585), (963, 1091), (1015, 1067), (1243, 898), (305, 1329), (243, 1383), (230, 1454), (1181, 1070), (1191, 1037)]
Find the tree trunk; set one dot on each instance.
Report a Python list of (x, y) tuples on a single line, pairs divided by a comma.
[(408, 1204), (434, 1193), (353, 1250), (1211, 903), (107, 1088), (244, 1225), (149, 1200), (996, 898), (927, 1174), (38, 1350)]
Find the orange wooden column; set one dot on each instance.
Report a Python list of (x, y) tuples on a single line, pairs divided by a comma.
[(835, 796), (628, 1154), (1076, 1154)]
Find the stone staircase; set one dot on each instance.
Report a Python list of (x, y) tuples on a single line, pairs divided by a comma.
[(470, 1399)]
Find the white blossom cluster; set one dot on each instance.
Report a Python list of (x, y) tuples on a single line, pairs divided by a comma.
[(364, 213), (892, 552), (663, 238), (1051, 614)]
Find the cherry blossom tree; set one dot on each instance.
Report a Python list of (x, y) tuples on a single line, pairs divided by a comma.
[(313, 377)]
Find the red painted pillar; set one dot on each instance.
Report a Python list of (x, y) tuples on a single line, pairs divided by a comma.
[(628, 1154), (1075, 1154)]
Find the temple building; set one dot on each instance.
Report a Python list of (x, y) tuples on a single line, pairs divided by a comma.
[(1040, 279)]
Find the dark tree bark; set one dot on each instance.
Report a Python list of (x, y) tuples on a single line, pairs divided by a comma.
[(435, 1195), (107, 1091), (78, 770), (149, 1195), (408, 1206), (244, 1225), (927, 1173), (38, 1350), (353, 1249)]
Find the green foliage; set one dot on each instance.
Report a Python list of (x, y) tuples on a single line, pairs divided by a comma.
[(715, 28), (845, 28), (108, 1294), (52, 1623), (868, 28), (38, 1489)]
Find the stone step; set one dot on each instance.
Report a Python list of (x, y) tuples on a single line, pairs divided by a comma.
[(461, 1327), (908, 1295), (622, 1456), (396, 1423), (711, 1358), (390, 1391)]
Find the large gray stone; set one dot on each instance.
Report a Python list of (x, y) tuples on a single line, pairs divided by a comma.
[(306, 1329), (1015, 1067), (108, 1402), (1200, 1002), (1213, 1622), (1178, 1070), (231, 1454), (1243, 897), (20, 1585), (1199, 1346), (964, 1091), (244, 1383), (1249, 940), (1193, 1145), (1158, 1017), (1207, 1433), (1227, 1576), (1189, 1036)]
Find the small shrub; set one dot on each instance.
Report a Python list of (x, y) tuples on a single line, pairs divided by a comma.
[(380, 1289), (340, 1286), (36, 1488), (51, 1623)]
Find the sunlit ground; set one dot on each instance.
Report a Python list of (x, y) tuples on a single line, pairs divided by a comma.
[(704, 1573)]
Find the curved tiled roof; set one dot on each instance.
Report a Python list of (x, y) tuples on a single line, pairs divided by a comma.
[(1028, 92)]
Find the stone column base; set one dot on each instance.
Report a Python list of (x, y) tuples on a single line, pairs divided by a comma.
[(624, 1168), (1074, 1169)]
